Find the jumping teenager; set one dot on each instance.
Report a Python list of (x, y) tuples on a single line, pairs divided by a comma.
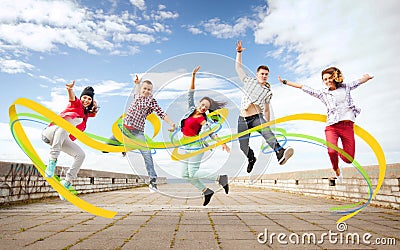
[(193, 123), (77, 113), (255, 110), (341, 111)]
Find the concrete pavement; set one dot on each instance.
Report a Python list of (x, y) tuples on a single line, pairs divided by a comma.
[(240, 220)]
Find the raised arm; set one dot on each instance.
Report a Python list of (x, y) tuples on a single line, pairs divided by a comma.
[(71, 94), (192, 85), (170, 122), (293, 84), (238, 63), (365, 78), (137, 84)]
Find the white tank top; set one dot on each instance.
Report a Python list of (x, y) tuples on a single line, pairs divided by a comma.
[(345, 113)]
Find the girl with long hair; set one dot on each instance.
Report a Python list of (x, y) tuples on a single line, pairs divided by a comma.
[(192, 124)]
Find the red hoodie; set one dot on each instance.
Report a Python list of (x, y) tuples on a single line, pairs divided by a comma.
[(74, 110)]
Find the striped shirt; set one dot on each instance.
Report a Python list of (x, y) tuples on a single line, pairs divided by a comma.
[(255, 93), (326, 96), (139, 109)]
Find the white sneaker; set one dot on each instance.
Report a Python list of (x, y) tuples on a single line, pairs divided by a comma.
[(66, 185), (153, 186), (340, 177)]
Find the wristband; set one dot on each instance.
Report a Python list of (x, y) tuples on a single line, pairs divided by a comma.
[(284, 82)]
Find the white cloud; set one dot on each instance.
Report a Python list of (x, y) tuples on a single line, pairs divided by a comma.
[(59, 97), (144, 28), (42, 26), (159, 27), (194, 30), (358, 37), (109, 86), (327, 37), (140, 4), (162, 15), (225, 29), (220, 29), (140, 38), (14, 66)]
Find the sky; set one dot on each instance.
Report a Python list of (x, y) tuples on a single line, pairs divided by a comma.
[(46, 44)]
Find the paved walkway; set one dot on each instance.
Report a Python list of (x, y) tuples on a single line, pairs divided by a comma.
[(153, 221)]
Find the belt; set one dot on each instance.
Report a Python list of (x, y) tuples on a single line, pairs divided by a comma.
[(251, 117)]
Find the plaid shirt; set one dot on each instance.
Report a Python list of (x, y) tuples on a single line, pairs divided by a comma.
[(255, 93), (139, 109), (329, 100)]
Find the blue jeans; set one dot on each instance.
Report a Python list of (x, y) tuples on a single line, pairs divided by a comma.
[(146, 154), (245, 123)]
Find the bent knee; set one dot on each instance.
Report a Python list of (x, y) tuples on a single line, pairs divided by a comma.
[(347, 160), (80, 155)]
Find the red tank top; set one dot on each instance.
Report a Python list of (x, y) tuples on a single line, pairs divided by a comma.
[(191, 125)]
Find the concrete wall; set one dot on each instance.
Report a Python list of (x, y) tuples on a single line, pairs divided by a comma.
[(319, 183), (21, 181)]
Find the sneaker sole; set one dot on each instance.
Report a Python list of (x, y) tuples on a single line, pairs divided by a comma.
[(59, 195), (340, 177), (249, 170), (153, 190), (206, 203), (223, 180), (226, 188), (288, 153), (49, 176)]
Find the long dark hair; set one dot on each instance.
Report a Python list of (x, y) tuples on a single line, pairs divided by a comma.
[(88, 109), (214, 105)]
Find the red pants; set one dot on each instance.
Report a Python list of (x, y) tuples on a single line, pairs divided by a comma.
[(345, 131)]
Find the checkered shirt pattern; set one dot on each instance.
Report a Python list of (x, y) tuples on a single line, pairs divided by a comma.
[(255, 93), (139, 109)]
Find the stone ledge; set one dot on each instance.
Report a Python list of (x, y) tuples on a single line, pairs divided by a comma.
[(318, 183), (21, 182)]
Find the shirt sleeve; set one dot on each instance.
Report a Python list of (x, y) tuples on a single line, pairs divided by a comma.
[(76, 103), (313, 92), (246, 80), (352, 85), (156, 108), (269, 96)]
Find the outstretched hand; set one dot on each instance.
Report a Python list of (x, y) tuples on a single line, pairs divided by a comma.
[(239, 47), (136, 81), (225, 148), (172, 129), (365, 78), (195, 70), (70, 85)]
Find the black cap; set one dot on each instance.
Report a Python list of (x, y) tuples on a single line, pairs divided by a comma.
[(89, 91)]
